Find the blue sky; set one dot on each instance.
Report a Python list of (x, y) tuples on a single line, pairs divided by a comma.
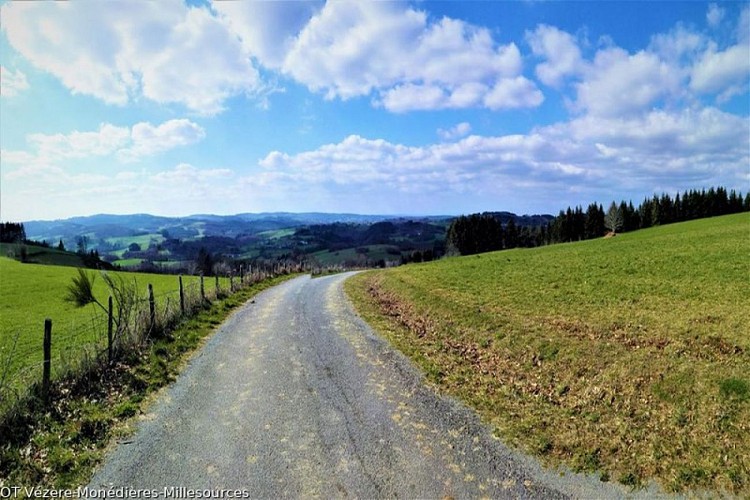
[(177, 108)]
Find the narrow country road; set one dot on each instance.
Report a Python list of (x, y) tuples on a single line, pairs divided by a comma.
[(295, 396)]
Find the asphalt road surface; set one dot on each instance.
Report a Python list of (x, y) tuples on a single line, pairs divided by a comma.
[(295, 396)]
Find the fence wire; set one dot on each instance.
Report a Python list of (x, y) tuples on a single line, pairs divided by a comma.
[(83, 340)]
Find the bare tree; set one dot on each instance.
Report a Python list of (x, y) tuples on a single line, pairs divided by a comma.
[(613, 219)]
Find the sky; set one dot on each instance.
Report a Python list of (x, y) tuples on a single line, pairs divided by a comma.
[(176, 108)]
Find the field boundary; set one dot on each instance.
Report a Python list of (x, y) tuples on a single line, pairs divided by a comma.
[(59, 443)]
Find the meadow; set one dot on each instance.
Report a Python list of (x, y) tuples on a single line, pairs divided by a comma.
[(627, 355), (30, 293)]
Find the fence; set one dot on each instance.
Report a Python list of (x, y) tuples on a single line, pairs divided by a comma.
[(110, 330)]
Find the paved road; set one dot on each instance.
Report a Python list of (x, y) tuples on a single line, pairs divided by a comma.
[(296, 397)]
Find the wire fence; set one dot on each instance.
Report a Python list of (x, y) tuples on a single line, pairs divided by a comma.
[(132, 319)]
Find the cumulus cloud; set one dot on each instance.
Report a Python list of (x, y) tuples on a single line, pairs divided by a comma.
[(148, 139), (118, 51), (268, 29), (125, 143), (682, 148), (351, 49), (518, 92), (560, 49), (726, 72), (618, 83), (12, 83)]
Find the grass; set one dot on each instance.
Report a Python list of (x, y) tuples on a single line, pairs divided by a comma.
[(628, 355), (59, 446), (29, 293), (41, 255)]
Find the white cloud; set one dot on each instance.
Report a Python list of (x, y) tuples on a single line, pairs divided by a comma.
[(117, 51), (618, 83), (12, 83), (460, 130), (560, 49), (714, 15), (55, 147), (410, 97), (607, 157), (518, 92), (148, 140), (679, 46), (722, 71), (352, 49), (126, 144), (267, 29), (600, 154)]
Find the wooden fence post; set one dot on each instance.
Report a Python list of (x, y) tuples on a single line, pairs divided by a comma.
[(203, 290), (110, 319), (182, 298), (217, 285), (47, 360), (151, 307)]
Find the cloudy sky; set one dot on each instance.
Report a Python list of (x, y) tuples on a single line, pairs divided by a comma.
[(176, 108)]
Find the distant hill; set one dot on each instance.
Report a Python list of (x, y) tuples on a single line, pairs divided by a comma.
[(108, 225), (139, 239)]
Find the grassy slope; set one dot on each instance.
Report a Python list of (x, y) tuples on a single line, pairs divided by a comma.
[(29, 293), (629, 355), (42, 255)]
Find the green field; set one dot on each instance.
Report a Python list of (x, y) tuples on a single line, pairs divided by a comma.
[(29, 293), (42, 255), (628, 355)]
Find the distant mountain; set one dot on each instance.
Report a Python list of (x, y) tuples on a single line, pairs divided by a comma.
[(106, 226)]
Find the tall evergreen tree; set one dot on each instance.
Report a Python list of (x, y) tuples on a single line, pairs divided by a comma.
[(476, 233), (511, 234), (594, 225)]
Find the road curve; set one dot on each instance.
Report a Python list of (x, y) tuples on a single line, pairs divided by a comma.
[(295, 396)]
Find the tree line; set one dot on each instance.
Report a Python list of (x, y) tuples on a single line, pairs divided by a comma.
[(12, 232), (477, 233)]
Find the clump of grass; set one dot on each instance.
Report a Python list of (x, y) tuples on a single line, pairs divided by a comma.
[(734, 389)]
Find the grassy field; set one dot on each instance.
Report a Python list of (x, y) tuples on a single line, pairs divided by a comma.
[(42, 255), (29, 293), (627, 355)]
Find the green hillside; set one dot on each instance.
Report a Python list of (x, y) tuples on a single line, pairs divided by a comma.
[(29, 293), (42, 255), (628, 355)]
